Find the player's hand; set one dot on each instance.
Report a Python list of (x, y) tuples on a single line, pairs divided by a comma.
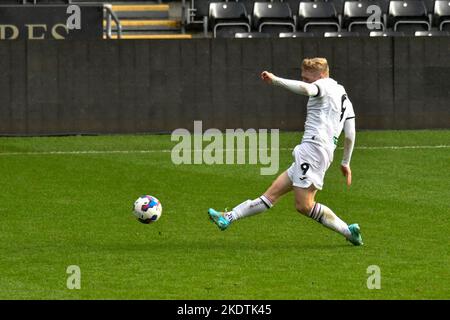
[(347, 172), (267, 77)]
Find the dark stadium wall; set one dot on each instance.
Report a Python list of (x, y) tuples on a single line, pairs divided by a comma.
[(84, 87)]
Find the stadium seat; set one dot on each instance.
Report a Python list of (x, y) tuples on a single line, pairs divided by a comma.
[(297, 35), (341, 34), (355, 17), (433, 33), (273, 17), (408, 16), (442, 15), (228, 18), (318, 17), (386, 33), (252, 35)]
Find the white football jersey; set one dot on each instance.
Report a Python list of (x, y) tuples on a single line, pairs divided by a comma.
[(326, 114)]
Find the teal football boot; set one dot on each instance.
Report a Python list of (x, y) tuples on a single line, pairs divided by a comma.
[(219, 219), (355, 238)]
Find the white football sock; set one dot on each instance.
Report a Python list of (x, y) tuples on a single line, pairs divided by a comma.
[(249, 208), (329, 219)]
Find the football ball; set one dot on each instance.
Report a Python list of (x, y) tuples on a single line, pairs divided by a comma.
[(147, 209)]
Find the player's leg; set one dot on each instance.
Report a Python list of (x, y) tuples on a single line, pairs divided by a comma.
[(248, 208), (306, 205), (278, 188), (311, 165)]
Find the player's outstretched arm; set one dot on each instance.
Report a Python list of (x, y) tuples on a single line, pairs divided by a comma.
[(298, 87), (349, 143)]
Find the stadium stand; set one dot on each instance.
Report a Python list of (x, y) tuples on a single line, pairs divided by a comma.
[(179, 19), (395, 17)]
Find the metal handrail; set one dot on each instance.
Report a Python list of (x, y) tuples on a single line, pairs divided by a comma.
[(112, 14)]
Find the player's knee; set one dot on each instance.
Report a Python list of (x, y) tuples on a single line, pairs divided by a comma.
[(304, 208)]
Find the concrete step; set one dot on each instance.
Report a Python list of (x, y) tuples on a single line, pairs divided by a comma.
[(146, 25)]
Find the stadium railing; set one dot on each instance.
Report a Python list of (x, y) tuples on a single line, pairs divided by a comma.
[(111, 15)]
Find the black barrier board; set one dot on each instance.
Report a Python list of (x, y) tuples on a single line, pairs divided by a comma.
[(101, 87), (50, 22)]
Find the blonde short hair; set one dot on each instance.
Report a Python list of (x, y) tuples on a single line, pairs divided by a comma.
[(316, 64)]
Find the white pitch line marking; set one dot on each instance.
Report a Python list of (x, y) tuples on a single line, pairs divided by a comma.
[(88, 152)]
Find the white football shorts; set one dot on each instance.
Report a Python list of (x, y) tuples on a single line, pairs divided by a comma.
[(310, 164)]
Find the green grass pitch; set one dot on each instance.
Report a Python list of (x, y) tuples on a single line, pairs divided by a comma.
[(60, 208)]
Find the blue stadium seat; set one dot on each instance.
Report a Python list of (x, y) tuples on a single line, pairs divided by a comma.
[(228, 18)]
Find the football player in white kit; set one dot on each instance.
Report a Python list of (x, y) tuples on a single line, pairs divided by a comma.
[(329, 112)]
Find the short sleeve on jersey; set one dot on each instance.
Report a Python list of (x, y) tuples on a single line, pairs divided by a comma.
[(350, 111), (321, 85), (318, 91)]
